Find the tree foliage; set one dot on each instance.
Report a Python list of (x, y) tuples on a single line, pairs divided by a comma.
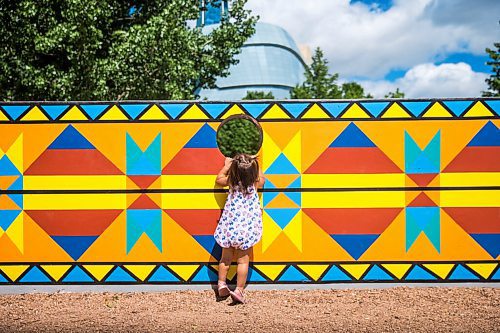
[(320, 84), (97, 50), (238, 135), (494, 80), (252, 95), (395, 94)]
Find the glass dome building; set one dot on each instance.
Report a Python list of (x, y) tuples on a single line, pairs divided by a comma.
[(270, 61)]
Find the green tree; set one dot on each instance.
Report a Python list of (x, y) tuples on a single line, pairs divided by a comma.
[(252, 95), (494, 80), (97, 50), (395, 94), (320, 84)]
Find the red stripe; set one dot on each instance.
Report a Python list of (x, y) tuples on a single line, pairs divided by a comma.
[(195, 161), (353, 160), (196, 221), (72, 162), (353, 220), (74, 222), (476, 159), (478, 220)]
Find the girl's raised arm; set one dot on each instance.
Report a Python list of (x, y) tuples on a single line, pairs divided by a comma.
[(261, 180), (222, 176)]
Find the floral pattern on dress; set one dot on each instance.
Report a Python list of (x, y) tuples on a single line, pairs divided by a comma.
[(240, 225)]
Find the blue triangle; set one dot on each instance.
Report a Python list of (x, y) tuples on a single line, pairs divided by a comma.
[(34, 275), (75, 246), (204, 138), (253, 276), (17, 198), (496, 276), (462, 273), (174, 110), (70, 138), (422, 164), (17, 184), (214, 109), (267, 197), (3, 280), (334, 274), (14, 111), (208, 242), (205, 274), (377, 274), (335, 108), (282, 216), (494, 105), (163, 275), (419, 274), (489, 242), (292, 274), (119, 275), (295, 109), (255, 110), (488, 136), (416, 108), (282, 166), (7, 217), (77, 275), (54, 111), (94, 110), (144, 166), (133, 110), (7, 168), (457, 107), (352, 137), (375, 108), (355, 245), (295, 197)]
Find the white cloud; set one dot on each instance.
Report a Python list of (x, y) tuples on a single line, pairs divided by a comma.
[(429, 80), (359, 42)]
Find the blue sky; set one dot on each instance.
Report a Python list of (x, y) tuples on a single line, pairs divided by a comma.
[(427, 48)]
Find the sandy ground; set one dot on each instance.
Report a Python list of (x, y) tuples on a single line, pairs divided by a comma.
[(399, 309)]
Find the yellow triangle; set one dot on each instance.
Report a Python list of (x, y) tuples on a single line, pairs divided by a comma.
[(282, 201), (355, 112), (34, 114), (478, 110), (293, 231), (56, 271), (15, 232), (1, 232), (437, 111), (98, 271), (74, 114), (396, 111), (15, 153), (272, 231), (293, 151), (154, 113), (483, 269), (140, 271), (315, 112), (235, 109), (3, 117), (398, 270), (356, 270), (194, 112), (441, 270), (275, 112), (14, 271), (270, 151), (184, 271), (314, 271), (271, 271), (114, 114)]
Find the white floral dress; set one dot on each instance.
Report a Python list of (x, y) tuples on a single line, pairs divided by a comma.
[(240, 225)]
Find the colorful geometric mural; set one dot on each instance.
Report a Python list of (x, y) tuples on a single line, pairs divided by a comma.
[(356, 191)]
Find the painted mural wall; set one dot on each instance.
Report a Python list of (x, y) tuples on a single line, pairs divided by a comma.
[(356, 191)]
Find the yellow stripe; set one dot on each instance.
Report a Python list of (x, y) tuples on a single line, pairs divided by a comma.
[(193, 200), (470, 198), (376, 199), (110, 182), (187, 181), (469, 179), (353, 180), (74, 201)]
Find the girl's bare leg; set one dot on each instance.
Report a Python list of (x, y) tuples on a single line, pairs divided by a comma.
[(243, 258), (225, 263)]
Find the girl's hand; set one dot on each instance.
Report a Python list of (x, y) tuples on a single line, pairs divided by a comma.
[(227, 162)]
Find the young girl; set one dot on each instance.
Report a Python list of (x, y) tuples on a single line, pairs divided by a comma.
[(240, 226)]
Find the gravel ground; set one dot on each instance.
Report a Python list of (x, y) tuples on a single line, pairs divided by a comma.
[(400, 309)]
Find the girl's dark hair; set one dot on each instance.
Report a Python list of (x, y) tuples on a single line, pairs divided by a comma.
[(244, 172)]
